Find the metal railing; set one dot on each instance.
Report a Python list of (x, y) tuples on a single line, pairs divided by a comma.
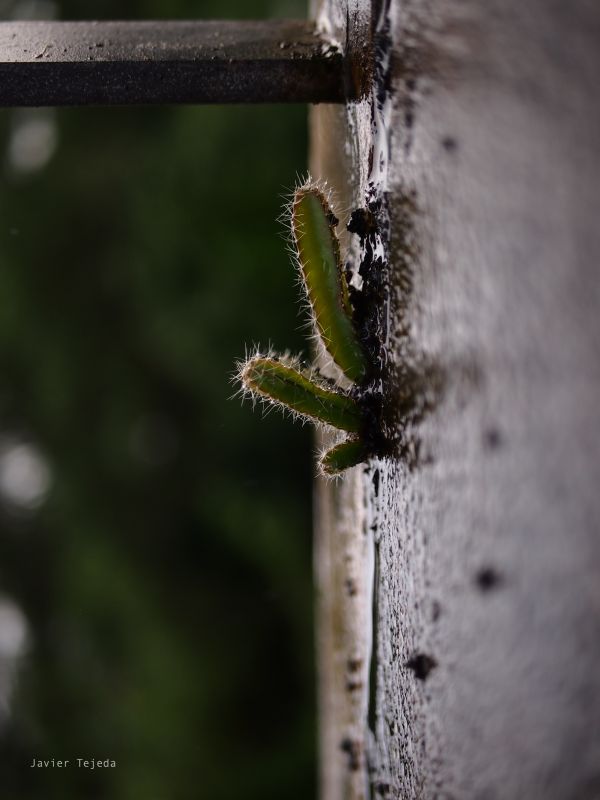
[(124, 63)]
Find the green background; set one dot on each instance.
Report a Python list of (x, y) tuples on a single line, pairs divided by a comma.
[(166, 579)]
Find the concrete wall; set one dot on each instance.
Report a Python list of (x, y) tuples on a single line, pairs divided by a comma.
[(459, 577)]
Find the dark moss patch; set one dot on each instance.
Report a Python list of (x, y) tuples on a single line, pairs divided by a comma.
[(421, 664)]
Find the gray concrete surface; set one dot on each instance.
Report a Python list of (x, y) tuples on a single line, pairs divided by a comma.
[(464, 572)]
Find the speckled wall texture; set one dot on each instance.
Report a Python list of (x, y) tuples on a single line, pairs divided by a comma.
[(459, 578)]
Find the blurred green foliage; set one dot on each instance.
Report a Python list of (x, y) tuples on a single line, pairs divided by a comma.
[(166, 580)]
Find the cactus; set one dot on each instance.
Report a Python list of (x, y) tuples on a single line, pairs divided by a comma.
[(318, 257), (282, 381), (282, 384)]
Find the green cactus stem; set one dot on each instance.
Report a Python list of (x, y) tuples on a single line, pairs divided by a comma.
[(283, 384), (343, 456), (318, 253)]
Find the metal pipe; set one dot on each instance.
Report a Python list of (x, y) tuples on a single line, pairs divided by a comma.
[(124, 63)]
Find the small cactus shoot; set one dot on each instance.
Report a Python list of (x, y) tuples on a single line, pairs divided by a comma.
[(343, 456), (283, 382), (318, 254)]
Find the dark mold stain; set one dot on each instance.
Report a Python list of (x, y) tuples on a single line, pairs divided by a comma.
[(421, 664), (354, 751), (353, 686), (449, 144), (373, 663), (354, 664), (436, 610), (492, 439), (370, 225), (394, 397), (381, 788), (351, 587), (376, 482), (487, 579), (362, 222)]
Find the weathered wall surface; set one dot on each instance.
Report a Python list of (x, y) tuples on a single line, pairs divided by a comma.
[(475, 551)]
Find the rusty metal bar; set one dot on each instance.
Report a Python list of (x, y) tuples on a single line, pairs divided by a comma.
[(124, 63)]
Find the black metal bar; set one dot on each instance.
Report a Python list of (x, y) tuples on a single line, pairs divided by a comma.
[(122, 63)]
